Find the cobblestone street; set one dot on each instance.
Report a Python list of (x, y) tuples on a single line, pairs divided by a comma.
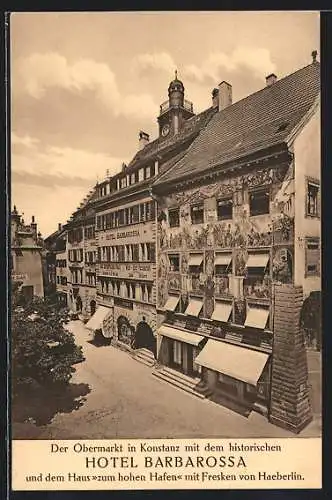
[(126, 401)]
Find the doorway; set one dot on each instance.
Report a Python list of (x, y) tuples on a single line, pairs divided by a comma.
[(144, 337), (92, 307)]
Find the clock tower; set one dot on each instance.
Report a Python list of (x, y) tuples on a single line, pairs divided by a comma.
[(175, 111)]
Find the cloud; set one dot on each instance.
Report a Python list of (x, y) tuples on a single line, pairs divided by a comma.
[(158, 61), (38, 73), (254, 59), (51, 181), (25, 141), (50, 165)]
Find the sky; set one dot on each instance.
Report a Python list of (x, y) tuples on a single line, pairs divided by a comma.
[(84, 84)]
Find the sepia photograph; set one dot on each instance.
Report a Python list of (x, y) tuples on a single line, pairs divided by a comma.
[(165, 225)]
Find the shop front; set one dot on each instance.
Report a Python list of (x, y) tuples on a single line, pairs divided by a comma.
[(178, 349), (238, 374)]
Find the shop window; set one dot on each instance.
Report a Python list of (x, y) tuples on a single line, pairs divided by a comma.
[(225, 209), (312, 207), (312, 257), (259, 202), (174, 217), (197, 214), (174, 262), (228, 384)]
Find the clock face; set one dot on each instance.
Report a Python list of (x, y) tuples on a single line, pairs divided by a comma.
[(165, 130)]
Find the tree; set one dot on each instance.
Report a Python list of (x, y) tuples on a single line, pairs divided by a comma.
[(43, 350)]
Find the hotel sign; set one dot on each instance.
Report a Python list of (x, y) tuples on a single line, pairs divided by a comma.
[(137, 271), (140, 233)]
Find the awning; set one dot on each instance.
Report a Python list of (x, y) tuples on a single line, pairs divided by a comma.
[(257, 317), (236, 362), (195, 260), (258, 260), (172, 302), (174, 333), (223, 259), (194, 307), (96, 321), (222, 311)]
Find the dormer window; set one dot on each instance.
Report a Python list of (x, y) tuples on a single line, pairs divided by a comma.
[(147, 172), (141, 175)]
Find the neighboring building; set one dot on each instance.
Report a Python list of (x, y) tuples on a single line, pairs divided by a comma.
[(26, 256), (54, 243), (239, 214), (78, 278), (126, 226)]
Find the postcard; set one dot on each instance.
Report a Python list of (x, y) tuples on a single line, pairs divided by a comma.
[(165, 235)]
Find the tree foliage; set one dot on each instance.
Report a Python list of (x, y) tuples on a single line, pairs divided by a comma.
[(43, 350)]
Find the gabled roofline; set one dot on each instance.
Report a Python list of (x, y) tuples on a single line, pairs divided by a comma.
[(303, 122)]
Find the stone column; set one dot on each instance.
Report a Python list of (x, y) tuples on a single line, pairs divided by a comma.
[(289, 404)]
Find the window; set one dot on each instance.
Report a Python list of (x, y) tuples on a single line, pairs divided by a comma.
[(121, 215), (135, 253), (312, 199), (135, 214), (197, 214), (312, 257), (147, 172), (174, 262), (257, 281), (225, 209), (151, 252), (132, 178), (123, 182), (222, 263), (174, 217), (141, 175), (259, 202)]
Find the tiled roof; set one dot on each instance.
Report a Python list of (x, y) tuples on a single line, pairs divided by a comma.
[(191, 127), (257, 122)]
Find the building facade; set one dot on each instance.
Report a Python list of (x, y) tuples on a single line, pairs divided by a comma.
[(26, 256), (203, 248), (126, 226), (238, 218)]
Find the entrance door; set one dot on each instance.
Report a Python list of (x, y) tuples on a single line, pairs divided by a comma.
[(144, 337), (176, 354), (92, 307)]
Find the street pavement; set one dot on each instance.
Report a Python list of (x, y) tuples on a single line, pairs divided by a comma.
[(126, 401)]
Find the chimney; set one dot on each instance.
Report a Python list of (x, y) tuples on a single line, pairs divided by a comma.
[(32, 219), (271, 79), (59, 226), (225, 95), (215, 98), (143, 139)]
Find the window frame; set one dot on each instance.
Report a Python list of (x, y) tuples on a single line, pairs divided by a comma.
[(193, 209), (252, 192), (310, 181), (312, 240), (225, 199)]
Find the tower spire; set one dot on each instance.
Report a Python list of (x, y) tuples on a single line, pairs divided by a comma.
[(176, 74)]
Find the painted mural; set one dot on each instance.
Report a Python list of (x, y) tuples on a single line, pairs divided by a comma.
[(238, 235)]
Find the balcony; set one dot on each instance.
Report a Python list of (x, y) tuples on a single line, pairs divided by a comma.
[(76, 263), (187, 105)]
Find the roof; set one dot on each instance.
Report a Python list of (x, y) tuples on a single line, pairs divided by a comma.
[(190, 128), (257, 122)]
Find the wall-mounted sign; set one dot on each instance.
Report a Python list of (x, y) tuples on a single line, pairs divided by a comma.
[(19, 277), (138, 271), (142, 233)]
